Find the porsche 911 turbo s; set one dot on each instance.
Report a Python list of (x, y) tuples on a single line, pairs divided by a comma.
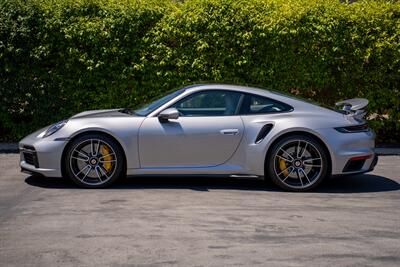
[(209, 129)]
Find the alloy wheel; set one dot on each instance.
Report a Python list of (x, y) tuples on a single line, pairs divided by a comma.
[(298, 164), (93, 162)]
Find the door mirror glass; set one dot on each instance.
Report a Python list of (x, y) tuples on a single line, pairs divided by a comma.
[(168, 114)]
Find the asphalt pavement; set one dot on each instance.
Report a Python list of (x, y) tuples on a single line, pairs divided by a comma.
[(171, 221)]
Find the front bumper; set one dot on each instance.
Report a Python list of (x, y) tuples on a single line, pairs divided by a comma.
[(41, 155)]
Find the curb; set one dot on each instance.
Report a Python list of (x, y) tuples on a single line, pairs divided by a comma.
[(9, 148), (381, 151), (387, 151)]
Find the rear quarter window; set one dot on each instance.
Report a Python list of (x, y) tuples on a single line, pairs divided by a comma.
[(254, 104)]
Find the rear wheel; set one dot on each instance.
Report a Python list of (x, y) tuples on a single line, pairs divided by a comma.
[(94, 161), (297, 163)]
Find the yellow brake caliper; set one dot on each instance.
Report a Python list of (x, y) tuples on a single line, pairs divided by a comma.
[(105, 151), (282, 166)]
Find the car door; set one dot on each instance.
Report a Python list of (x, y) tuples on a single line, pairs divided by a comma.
[(207, 132)]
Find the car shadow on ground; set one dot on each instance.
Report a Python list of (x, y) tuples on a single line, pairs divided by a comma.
[(347, 184)]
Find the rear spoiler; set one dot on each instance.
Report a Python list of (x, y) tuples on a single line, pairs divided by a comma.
[(353, 107)]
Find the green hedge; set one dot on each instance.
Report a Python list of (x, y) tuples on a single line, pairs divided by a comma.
[(59, 57)]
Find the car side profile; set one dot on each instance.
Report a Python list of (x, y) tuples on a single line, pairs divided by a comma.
[(209, 129)]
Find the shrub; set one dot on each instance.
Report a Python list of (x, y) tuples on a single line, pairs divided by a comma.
[(60, 57)]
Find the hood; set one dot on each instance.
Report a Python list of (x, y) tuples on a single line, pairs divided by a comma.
[(118, 112)]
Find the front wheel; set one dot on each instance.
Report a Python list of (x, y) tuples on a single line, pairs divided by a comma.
[(93, 161), (297, 163)]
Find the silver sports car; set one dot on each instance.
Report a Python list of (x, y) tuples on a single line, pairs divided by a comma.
[(210, 129)]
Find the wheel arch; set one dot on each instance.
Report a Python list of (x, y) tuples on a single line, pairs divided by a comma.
[(91, 131), (305, 133)]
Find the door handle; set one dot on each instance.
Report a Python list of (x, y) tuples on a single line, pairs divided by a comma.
[(230, 131)]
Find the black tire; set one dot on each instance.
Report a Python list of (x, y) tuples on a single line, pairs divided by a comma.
[(108, 167), (298, 174)]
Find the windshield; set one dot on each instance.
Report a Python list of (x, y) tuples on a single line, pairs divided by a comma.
[(149, 108)]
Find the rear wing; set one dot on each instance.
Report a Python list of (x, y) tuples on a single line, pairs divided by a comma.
[(353, 107)]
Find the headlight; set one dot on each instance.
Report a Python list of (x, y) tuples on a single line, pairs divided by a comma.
[(54, 128)]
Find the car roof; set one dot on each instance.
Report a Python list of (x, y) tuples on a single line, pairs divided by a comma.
[(244, 89), (216, 86)]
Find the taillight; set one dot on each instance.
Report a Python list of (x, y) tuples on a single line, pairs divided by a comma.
[(353, 129)]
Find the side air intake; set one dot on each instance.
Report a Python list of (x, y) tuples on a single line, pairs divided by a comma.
[(263, 132)]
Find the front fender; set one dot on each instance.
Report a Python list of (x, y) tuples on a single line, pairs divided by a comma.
[(123, 130)]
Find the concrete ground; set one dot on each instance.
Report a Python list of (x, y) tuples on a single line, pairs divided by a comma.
[(349, 221)]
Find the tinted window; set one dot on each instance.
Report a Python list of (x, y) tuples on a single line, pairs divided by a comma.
[(254, 104), (149, 108), (209, 103)]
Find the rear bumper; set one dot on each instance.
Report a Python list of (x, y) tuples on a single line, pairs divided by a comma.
[(347, 147), (361, 166), (371, 168), (374, 163)]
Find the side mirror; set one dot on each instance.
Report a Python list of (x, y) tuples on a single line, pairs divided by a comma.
[(168, 114)]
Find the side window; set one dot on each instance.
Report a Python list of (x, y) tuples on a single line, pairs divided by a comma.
[(209, 103), (254, 104)]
